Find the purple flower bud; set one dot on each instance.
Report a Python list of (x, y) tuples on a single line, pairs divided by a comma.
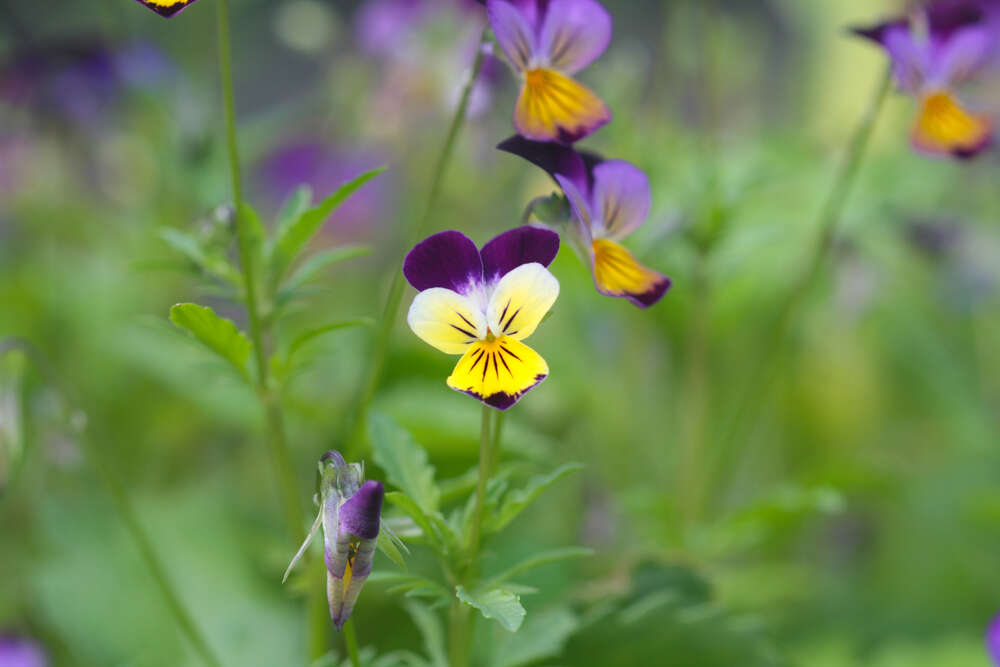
[(361, 514)]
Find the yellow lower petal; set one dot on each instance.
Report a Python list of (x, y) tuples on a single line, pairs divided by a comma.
[(498, 372), (618, 273), (166, 7), (945, 128), (554, 107)]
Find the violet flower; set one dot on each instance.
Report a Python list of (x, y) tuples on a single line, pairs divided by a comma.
[(167, 8), (19, 652), (948, 43), (609, 200), (993, 640), (350, 513), (481, 304), (547, 42)]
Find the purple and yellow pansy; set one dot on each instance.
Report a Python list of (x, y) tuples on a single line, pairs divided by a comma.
[(167, 8), (933, 51), (609, 199), (547, 42), (482, 304)]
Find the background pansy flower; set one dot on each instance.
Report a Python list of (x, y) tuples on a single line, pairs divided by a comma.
[(350, 513), (482, 304), (993, 640), (19, 652), (610, 199), (946, 44), (167, 8), (547, 42)]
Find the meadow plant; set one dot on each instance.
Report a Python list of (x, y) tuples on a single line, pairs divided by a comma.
[(481, 303)]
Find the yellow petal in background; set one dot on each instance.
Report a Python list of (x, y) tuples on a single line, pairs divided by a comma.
[(498, 372), (554, 107), (945, 128), (618, 273)]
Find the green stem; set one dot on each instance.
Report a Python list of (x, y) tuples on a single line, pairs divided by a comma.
[(351, 641), (123, 506), (458, 634), (694, 424), (270, 400), (485, 456), (355, 424), (745, 417)]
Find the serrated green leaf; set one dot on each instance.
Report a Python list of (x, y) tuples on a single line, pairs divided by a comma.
[(412, 509), (319, 261), (497, 604), (518, 500), (404, 461), (389, 548), (538, 560), (292, 239), (542, 636), (216, 333), (296, 204)]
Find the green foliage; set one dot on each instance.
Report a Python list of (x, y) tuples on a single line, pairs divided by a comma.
[(293, 236), (497, 604), (216, 333), (404, 461), (518, 500)]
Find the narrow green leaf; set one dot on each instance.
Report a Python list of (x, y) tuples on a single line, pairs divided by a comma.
[(389, 548), (404, 461), (431, 631), (412, 509), (518, 500), (544, 558), (543, 636), (312, 334), (184, 243), (297, 204), (321, 260), (216, 333), (296, 236), (497, 604)]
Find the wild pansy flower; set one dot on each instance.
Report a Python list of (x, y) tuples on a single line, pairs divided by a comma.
[(350, 512), (609, 200), (547, 42), (19, 652), (948, 43), (482, 304), (993, 640), (167, 8)]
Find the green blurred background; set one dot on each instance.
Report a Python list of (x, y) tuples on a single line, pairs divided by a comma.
[(850, 515)]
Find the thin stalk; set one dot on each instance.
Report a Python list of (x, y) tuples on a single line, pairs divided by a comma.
[(485, 456), (270, 402), (744, 418), (351, 641), (355, 424), (694, 424), (123, 506), (458, 634)]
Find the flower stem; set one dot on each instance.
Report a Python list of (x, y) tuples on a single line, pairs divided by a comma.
[(351, 641), (485, 457), (122, 502), (354, 427), (269, 400), (745, 418)]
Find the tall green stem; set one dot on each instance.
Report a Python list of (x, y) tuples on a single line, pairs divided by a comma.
[(270, 401), (123, 505), (744, 418), (351, 641), (354, 426), (485, 470)]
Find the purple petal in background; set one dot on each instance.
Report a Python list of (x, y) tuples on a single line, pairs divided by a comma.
[(552, 158), (575, 33), (448, 259), (515, 35), (523, 245), (993, 640), (622, 198), (18, 652)]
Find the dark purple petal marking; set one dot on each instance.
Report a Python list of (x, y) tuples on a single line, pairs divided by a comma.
[(448, 259), (653, 296), (167, 10), (523, 245), (361, 515), (553, 159)]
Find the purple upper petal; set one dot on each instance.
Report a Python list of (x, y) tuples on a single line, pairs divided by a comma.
[(910, 59), (553, 158), (17, 652), (993, 640), (622, 198), (574, 34), (515, 32), (448, 259), (361, 515), (961, 56), (516, 247)]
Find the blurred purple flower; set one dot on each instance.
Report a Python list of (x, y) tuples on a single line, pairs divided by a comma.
[(948, 43), (311, 162), (19, 652), (78, 81), (993, 640)]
